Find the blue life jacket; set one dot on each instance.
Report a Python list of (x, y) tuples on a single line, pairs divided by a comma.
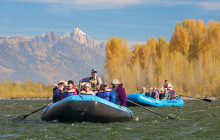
[(107, 95), (147, 94), (68, 94)]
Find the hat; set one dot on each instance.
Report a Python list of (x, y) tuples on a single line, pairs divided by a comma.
[(115, 82), (94, 71), (61, 82), (104, 84)]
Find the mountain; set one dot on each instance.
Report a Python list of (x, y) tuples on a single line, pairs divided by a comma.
[(51, 57)]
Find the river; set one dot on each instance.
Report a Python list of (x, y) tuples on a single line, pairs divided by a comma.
[(196, 120)]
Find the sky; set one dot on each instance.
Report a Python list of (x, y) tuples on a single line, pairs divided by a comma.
[(133, 20)]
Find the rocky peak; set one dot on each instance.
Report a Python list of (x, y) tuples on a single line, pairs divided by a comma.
[(82, 38)]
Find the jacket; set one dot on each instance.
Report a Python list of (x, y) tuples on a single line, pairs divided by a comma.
[(121, 95)]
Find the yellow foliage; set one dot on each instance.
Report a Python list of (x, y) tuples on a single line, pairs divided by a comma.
[(27, 89), (190, 61)]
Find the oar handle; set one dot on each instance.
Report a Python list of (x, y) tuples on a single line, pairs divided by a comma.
[(39, 109)]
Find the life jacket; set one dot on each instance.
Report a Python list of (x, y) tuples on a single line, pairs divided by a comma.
[(104, 94), (155, 94), (83, 92), (94, 84)]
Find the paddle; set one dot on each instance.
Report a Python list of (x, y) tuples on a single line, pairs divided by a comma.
[(204, 99), (23, 117), (150, 110)]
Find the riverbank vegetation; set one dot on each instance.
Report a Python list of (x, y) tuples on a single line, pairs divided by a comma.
[(27, 89), (190, 60)]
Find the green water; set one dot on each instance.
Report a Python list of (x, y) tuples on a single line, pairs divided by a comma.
[(196, 120)]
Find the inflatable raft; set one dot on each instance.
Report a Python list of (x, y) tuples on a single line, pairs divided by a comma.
[(86, 108), (145, 100)]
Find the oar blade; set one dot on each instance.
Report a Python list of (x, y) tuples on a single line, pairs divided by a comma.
[(20, 118), (207, 100)]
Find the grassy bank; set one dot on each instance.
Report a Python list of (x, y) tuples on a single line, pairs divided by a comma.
[(27, 89)]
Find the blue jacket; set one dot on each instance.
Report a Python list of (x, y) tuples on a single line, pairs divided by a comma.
[(56, 94), (107, 95)]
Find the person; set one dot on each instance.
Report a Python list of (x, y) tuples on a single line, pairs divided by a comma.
[(114, 84), (149, 92), (94, 80), (167, 85), (171, 94), (155, 93), (57, 91), (143, 91), (87, 90), (106, 93), (161, 93), (121, 95), (71, 90)]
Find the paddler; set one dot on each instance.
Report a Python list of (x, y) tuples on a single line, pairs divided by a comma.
[(94, 81)]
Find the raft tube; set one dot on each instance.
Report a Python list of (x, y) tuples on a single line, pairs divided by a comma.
[(148, 101), (86, 108)]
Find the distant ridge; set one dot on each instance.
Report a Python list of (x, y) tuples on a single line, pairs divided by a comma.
[(50, 57)]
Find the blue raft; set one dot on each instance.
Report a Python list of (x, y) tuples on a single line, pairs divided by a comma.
[(86, 108), (145, 100)]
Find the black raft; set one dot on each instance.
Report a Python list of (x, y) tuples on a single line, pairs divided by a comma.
[(86, 108)]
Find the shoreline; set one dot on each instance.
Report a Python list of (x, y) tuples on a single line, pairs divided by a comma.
[(50, 98)]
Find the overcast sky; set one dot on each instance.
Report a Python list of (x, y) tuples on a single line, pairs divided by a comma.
[(134, 20)]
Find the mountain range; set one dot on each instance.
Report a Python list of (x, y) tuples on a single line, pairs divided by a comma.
[(51, 57)]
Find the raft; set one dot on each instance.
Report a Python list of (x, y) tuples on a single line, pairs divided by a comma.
[(148, 101), (80, 108)]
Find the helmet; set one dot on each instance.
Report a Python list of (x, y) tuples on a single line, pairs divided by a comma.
[(115, 82)]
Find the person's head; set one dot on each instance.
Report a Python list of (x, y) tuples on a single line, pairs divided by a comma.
[(104, 86), (82, 85), (61, 85), (70, 84), (93, 73), (144, 89), (161, 90), (166, 81), (115, 83), (154, 88), (87, 86)]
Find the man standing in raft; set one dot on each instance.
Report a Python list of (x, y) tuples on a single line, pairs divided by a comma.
[(94, 80), (167, 85)]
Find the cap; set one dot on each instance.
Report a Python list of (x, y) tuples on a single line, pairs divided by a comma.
[(104, 84), (94, 71), (115, 82), (61, 81)]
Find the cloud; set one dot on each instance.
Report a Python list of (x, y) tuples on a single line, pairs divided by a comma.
[(210, 5), (111, 4)]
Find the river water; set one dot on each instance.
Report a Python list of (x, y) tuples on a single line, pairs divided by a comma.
[(196, 120)]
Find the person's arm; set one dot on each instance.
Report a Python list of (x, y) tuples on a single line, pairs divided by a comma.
[(56, 95), (112, 97), (170, 86), (99, 81), (123, 97)]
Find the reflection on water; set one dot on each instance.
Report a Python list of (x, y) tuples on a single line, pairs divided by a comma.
[(196, 120)]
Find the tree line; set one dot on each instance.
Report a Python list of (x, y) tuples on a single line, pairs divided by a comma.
[(190, 60), (27, 89)]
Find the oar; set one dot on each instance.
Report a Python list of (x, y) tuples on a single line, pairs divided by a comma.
[(150, 110), (204, 99), (23, 117)]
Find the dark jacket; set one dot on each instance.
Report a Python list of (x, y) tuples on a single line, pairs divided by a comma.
[(56, 94), (121, 95)]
